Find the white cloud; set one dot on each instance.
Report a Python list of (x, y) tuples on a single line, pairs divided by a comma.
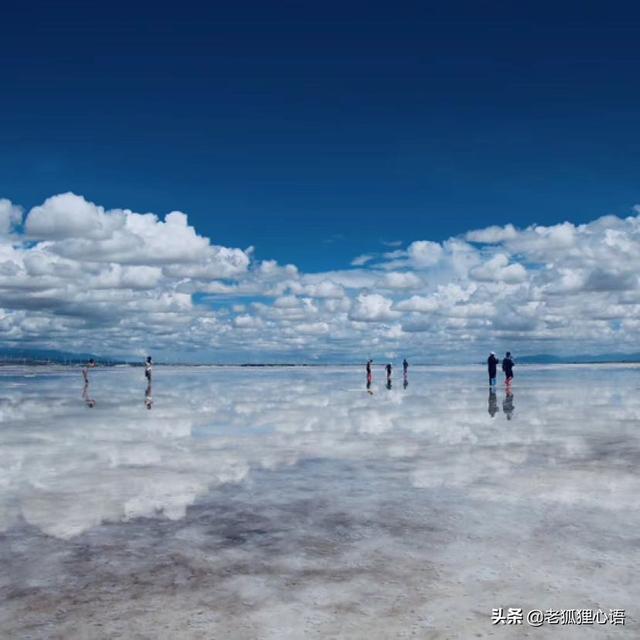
[(361, 260), (10, 216), (492, 235), (373, 307), (400, 280), (424, 253), (81, 277), (498, 269)]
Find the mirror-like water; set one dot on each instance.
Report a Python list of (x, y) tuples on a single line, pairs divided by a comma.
[(292, 503)]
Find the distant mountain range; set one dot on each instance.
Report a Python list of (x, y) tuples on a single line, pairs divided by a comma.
[(41, 356), (578, 359)]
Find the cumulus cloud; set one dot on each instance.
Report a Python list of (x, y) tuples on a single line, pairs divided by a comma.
[(373, 307), (424, 253), (498, 269), (10, 216), (493, 234), (78, 276)]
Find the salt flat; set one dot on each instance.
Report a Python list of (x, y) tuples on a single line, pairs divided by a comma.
[(291, 503)]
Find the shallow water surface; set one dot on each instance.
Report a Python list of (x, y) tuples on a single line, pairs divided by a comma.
[(292, 503)]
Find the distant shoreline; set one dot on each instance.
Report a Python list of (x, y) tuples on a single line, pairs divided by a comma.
[(107, 364)]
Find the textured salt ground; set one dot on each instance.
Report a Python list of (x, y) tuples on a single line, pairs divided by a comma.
[(420, 533)]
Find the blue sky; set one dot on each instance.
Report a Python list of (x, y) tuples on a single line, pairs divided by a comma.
[(316, 132), (345, 181)]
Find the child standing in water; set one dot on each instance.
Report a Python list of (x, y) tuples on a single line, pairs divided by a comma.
[(147, 369)]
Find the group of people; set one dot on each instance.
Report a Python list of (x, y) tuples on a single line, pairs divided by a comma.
[(492, 365), (389, 370), (148, 371), (507, 368)]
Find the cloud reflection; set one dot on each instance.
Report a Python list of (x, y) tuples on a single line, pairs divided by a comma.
[(66, 470)]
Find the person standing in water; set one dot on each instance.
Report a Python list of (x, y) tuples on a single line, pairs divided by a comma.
[(369, 375), (507, 367), (492, 366), (85, 370), (388, 369), (148, 367)]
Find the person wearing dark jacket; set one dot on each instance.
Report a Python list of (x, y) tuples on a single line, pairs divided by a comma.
[(507, 367), (492, 366)]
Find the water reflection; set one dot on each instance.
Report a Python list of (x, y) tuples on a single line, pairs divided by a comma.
[(493, 402), (148, 399), (507, 404), (88, 400), (288, 504), (64, 475)]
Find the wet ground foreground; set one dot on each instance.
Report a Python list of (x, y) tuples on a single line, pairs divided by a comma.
[(293, 503)]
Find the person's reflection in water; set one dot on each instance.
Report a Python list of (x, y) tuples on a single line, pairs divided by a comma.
[(388, 383), (507, 405), (148, 400), (88, 400), (405, 381), (493, 402)]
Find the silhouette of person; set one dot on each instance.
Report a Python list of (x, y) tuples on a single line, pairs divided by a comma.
[(85, 370), (148, 369), (492, 367), (369, 373), (507, 367), (493, 402), (507, 404)]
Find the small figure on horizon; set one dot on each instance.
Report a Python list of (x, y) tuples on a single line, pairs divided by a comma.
[(507, 367), (388, 369), (148, 368), (405, 367), (492, 366), (85, 370)]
